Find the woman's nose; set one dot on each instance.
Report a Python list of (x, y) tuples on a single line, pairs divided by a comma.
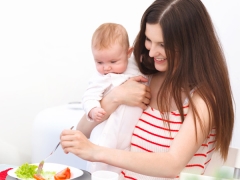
[(153, 52)]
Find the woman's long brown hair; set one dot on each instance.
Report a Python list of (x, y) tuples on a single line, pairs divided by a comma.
[(195, 60)]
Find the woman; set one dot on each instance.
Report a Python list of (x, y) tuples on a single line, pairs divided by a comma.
[(188, 104)]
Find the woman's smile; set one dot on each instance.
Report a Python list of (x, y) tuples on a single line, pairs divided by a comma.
[(160, 60)]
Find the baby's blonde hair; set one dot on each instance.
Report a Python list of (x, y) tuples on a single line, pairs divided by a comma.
[(108, 34)]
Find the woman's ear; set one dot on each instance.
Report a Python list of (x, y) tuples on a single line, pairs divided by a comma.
[(129, 52)]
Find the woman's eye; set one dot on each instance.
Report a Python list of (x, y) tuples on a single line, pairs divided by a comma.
[(162, 45), (99, 62), (147, 39), (113, 62)]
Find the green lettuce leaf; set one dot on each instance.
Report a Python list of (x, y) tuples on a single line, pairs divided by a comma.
[(48, 174), (26, 171)]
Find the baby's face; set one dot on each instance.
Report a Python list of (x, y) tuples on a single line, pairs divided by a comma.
[(111, 60)]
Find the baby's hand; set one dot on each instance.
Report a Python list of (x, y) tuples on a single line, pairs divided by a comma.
[(97, 114)]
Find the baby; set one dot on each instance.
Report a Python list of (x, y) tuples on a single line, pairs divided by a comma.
[(111, 52)]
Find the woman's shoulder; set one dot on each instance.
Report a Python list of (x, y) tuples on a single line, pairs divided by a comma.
[(201, 106), (197, 99)]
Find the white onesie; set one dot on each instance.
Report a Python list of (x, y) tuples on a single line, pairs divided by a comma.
[(116, 131)]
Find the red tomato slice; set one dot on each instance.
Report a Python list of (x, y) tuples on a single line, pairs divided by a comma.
[(63, 175), (38, 177)]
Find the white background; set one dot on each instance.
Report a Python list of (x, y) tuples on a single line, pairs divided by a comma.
[(46, 59)]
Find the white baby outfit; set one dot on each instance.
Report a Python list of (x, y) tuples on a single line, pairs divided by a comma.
[(116, 131)]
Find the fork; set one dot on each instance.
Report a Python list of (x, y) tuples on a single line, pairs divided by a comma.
[(55, 148), (40, 166)]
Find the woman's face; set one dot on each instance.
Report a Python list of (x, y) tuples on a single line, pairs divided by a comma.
[(154, 43)]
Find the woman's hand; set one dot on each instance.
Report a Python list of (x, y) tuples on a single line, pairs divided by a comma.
[(134, 93), (75, 142)]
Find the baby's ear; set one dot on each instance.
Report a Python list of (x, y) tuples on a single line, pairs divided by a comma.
[(130, 50)]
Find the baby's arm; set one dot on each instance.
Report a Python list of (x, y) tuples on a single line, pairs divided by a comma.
[(98, 85), (97, 114), (130, 93)]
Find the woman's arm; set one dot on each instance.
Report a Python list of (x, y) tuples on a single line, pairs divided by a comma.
[(86, 126), (167, 164)]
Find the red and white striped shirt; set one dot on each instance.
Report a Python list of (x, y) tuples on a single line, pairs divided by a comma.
[(151, 134)]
